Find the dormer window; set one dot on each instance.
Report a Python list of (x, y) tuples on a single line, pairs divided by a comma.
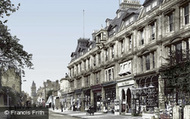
[(148, 8), (131, 19), (127, 22), (154, 4)]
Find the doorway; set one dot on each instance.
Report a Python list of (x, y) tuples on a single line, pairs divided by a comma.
[(128, 108)]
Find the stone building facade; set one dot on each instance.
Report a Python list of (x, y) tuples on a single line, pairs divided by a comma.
[(123, 60), (11, 78)]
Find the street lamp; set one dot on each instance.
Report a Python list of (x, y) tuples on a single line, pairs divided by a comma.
[(7, 97)]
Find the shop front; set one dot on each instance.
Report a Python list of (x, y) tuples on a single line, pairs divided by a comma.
[(86, 98), (125, 94), (78, 100), (96, 95), (146, 94), (110, 95), (70, 98)]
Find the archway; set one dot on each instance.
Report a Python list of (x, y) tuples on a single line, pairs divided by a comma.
[(122, 100), (128, 108)]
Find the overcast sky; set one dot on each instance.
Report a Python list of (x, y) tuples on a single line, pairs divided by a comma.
[(49, 29)]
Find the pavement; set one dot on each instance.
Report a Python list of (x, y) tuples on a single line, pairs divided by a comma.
[(97, 115)]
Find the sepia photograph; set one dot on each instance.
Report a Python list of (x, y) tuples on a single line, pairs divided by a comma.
[(94, 59)]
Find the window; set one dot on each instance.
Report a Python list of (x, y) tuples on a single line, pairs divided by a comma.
[(131, 19), (97, 75), (186, 14), (178, 53), (94, 60), (141, 58), (125, 68), (122, 47), (126, 22), (153, 30), (171, 24), (142, 37), (106, 54), (147, 57), (99, 58), (78, 83), (112, 51), (148, 8), (130, 42), (187, 49), (109, 75), (154, 4), (153, 60), (88, 63), (84, 64), (87, 81)]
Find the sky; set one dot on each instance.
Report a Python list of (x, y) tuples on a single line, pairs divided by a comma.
[(49, 29)]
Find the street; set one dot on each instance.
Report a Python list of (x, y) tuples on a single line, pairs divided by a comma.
[(57, 114), (53, 115)]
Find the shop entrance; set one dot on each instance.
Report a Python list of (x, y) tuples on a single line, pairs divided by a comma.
[(128, 108), (97, 101), (123, 101)]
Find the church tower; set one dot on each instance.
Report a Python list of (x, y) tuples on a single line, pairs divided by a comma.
[(33, 89)]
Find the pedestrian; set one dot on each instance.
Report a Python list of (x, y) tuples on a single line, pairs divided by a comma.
[(53, 106), (61, 107)]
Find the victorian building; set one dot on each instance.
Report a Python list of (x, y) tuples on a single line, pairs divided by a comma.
[(124, 61)]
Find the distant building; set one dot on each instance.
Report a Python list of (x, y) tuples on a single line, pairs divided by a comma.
[(33, 93)]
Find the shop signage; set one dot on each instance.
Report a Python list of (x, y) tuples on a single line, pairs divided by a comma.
[(126, 83)]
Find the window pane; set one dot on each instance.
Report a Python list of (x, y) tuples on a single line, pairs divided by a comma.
[(186, 14), (178, 52), (171, 22), (148, 62)]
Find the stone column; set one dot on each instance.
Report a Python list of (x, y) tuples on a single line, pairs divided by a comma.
[(161, 100), (103, 98)]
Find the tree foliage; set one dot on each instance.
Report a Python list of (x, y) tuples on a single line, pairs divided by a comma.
[(11, 52)]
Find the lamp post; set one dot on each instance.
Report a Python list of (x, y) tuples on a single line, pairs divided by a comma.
[(7, 97)]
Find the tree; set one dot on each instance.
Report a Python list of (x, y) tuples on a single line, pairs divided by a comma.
[(11, 52)]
